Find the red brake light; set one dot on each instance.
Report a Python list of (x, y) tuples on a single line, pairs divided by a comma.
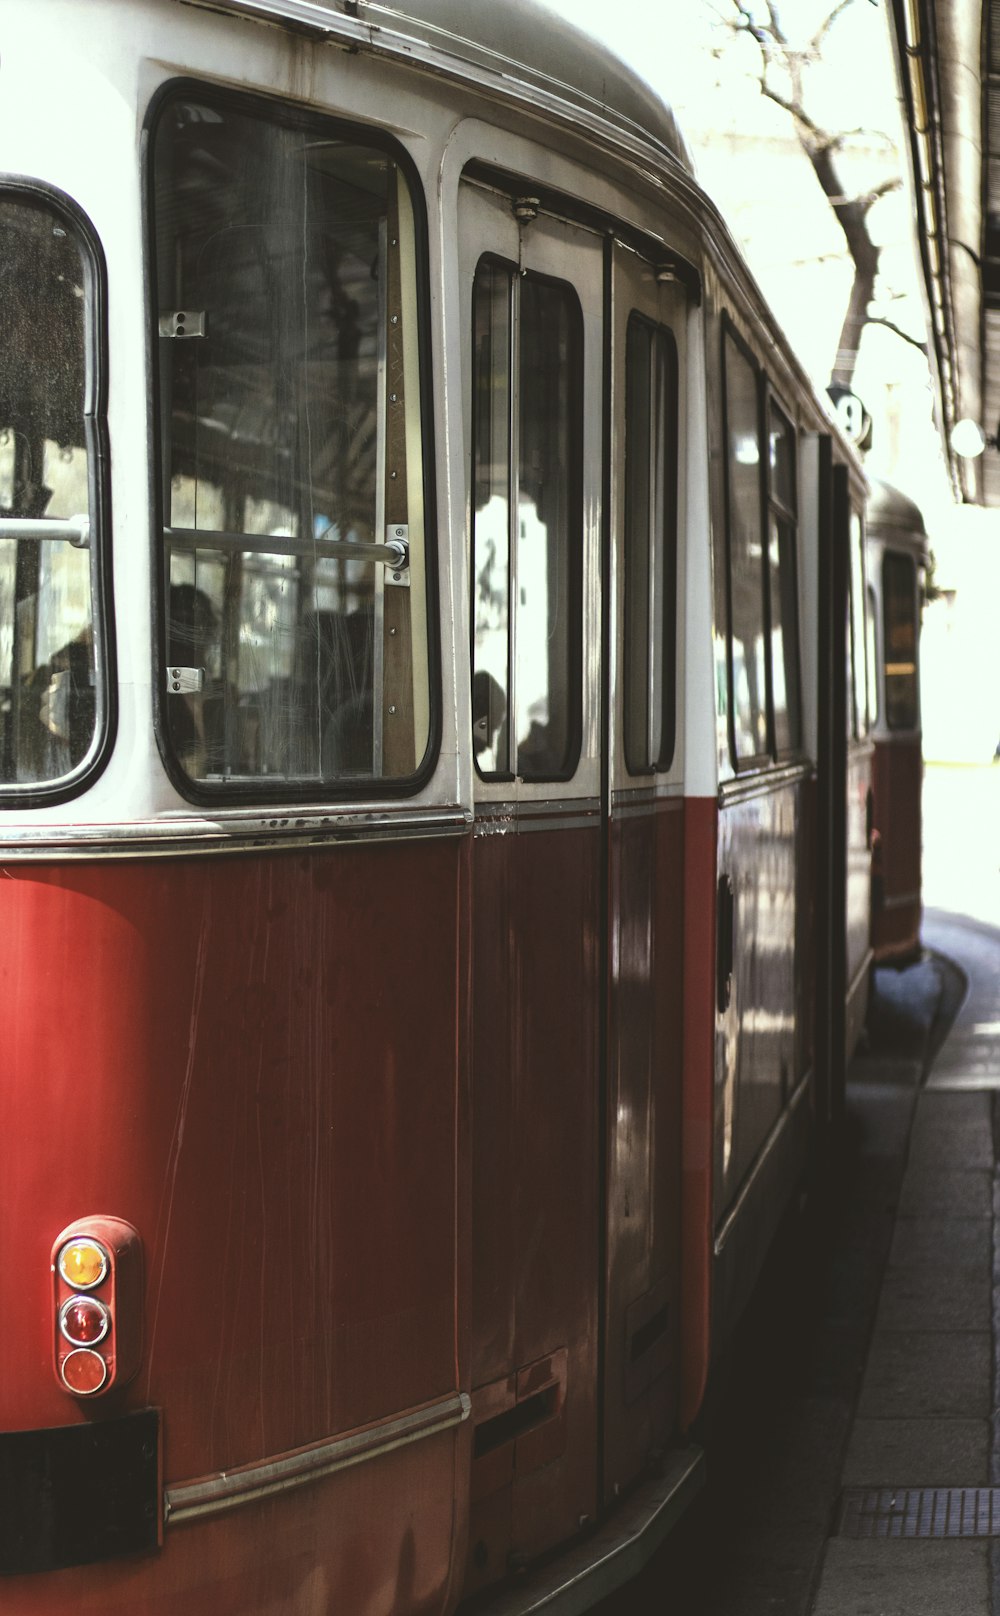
[(84, 1321)]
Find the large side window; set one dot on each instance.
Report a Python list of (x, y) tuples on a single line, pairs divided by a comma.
[(747, 608), (782, 581), (899, 589), (296, 655), (526, 524), (53, 697), (650, 545)]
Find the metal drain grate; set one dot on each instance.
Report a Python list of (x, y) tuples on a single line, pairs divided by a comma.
[(920, 1512)]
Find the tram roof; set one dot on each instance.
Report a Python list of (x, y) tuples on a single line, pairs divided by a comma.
[(888, 507), (517, 46)]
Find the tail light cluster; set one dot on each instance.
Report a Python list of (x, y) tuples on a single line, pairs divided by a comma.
[(97, 1288)]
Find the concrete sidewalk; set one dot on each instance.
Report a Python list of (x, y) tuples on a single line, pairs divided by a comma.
[(916, 1529)]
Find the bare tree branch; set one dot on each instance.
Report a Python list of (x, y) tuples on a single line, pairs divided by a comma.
[(748, 26), (840, 139), (816, 43), (776, 29), (824, 142), (890, 325), (878, 191), (822, 147)]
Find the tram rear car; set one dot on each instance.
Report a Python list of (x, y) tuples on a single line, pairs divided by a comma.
[(898, 558), (431, 928)]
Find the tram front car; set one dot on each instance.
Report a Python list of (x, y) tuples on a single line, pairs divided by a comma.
[(415, 1009), (230, 1101)]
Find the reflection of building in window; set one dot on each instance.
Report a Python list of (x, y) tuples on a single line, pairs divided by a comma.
[(48, 688), (535, 753), (527, 520), (293, 435)]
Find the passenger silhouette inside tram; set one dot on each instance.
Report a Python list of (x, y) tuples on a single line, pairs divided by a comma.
[(66, 704), (489, 710)]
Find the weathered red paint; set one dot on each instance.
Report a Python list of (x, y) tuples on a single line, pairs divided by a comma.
[(535, 1179), (700, 841), (256, 1062), (644, 1101)]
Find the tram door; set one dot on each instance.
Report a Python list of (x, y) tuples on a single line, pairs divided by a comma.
[(532, 311), (646, 843)]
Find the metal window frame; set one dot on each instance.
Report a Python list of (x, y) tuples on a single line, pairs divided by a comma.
[(37, 793), (516, 276), (662, 347), (266, 789)]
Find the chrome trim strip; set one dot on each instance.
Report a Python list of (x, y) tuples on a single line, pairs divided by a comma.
[(764, 783), (760, 1160), (587, 1573), (646, 807), (670, 791), (210, 1495), (233, 832), (522, 818), (514, 826), (538, 808)]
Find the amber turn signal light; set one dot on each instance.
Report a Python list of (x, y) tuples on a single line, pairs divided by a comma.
[(83, 1264)]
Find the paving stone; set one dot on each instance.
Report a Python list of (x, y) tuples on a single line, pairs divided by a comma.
[(956, 1145), (917, 1453), (910, 1578), (922, 1375), (947, 1194), (915, 1298), (935, 1242), (939, 1106)]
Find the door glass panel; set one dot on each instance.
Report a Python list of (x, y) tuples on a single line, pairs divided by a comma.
[(650, 545), (899, 584), (51, 703), (746, 572), (859, 638), (782, 582), (527, 525), (292, 454), (873, 682), (491, 518)]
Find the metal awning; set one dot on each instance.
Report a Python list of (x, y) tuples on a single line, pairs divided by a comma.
[(948, 54)]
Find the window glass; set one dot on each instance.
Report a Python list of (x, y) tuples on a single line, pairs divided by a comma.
[(899, 584), (292, 454), (782, 584), (51, 705), (873, 683), (746, 573), (491, 525), (859, 636), (650, 545), (526, 525)]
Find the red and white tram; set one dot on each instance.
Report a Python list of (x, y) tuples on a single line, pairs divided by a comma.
[(431, 926), (898, 559)]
